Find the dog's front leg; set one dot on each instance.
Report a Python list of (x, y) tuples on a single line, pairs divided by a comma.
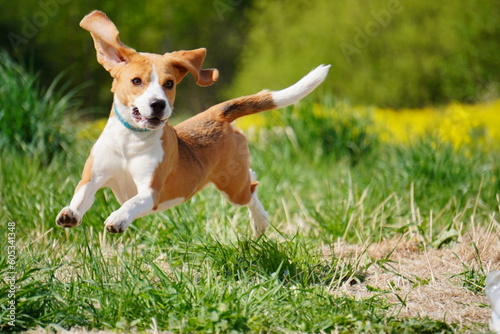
[(83, 197), (138, 206)]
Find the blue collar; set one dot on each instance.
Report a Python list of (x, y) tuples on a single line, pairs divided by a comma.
[(127, 124)]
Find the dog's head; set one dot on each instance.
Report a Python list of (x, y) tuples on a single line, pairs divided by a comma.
[(144, 84)]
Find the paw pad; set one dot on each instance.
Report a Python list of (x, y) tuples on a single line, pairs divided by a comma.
[(67, 218)]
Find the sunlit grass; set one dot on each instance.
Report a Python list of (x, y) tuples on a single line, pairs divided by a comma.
[(34, 119), (327, 173)]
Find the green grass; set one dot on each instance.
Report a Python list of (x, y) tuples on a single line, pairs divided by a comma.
[(196, 268), (33, 119)]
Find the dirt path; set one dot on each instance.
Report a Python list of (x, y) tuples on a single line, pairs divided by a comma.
[(433, 283)]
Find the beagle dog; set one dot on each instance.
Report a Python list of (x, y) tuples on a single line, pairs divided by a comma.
[(151, 165)]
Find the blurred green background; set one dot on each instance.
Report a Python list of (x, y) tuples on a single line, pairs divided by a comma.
[(389, 53)]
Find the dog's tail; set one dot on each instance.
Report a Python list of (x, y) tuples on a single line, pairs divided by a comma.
[(267, 100)]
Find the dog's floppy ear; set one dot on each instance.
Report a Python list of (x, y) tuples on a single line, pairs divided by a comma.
[(191, 61), (110, 50)]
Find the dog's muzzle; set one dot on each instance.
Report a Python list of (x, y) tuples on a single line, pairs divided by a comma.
[(156, 117)]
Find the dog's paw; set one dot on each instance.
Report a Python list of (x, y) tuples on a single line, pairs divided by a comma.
[(67, 218), (115, 228), (116, 224)]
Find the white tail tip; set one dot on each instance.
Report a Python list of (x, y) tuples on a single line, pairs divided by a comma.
[(304, 86)]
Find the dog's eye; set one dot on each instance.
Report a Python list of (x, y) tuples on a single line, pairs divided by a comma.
[(136, 81), (169, 84)]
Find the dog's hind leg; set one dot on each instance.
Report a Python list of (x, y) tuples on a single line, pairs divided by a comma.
[(234, 179), (241, 190), (258, 215)]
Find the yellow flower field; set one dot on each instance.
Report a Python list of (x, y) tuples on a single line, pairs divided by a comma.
[(458, 124), (455, 123)]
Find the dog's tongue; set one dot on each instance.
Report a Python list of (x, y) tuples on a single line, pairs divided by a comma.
[(137, 115)]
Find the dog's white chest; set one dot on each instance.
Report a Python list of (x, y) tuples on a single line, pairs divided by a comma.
[(127, 160)]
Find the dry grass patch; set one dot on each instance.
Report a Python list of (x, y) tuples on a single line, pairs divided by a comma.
[(443, 284)]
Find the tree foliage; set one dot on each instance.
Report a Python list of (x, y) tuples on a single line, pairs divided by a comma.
[(387, 52), (46, 34)]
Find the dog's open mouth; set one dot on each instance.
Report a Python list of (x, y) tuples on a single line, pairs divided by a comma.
[(152, 122)]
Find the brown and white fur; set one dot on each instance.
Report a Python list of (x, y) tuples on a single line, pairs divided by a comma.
[(152, 166)]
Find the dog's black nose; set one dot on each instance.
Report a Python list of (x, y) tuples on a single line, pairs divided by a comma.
[(157, 106)]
